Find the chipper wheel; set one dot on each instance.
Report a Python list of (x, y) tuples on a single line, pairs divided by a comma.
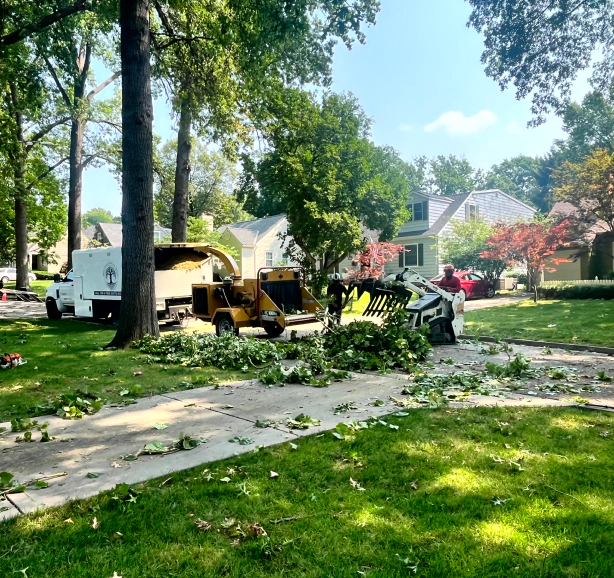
[(273, 329), (224, 324)]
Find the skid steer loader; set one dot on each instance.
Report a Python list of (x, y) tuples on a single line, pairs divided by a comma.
[(441, 310)]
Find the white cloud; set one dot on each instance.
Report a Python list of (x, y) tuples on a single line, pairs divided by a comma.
[(456, 123), (513, 127), (406, 127)]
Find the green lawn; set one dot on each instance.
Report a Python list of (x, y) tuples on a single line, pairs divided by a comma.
[(452, 493), (574, 321), (65, 357), (39, 287)]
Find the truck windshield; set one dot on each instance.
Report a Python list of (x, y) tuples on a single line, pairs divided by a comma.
[(69, 276)]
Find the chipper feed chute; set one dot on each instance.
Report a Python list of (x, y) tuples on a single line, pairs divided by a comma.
[(441, 310)]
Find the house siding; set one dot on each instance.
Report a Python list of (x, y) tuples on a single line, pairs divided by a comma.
[(495, 206), (436, 208), (429, 268), (271, 243), (574, 269)]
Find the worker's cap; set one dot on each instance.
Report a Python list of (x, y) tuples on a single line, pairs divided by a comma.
[(448, 267), (336, 277)]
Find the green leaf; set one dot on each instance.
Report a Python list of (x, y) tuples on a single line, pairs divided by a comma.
[(156, 447), (40, 484), (5, 479), (160, 425), (93, 475)]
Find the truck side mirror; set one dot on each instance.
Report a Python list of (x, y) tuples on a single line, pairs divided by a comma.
[(57, 278)]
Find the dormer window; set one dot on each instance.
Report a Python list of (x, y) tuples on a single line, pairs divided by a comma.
[(419, 211)]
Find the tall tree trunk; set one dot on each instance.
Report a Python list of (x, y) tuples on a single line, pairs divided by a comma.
[(21, 206), (182, 174), (75, 187), (138, 310), (21, 231)]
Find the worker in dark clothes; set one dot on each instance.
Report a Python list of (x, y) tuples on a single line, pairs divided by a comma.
[(335, 292), (449, 282)]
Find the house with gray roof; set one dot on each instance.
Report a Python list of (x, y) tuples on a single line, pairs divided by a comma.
[(110, 234), (257, 242), (431, 218)]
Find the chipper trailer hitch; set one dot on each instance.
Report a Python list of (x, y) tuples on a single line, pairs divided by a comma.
[(441, 310)]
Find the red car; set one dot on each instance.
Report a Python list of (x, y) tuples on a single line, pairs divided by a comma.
[(472, 284)]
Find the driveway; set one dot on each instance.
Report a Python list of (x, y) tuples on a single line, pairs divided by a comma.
[(22, 310), (475, 304)]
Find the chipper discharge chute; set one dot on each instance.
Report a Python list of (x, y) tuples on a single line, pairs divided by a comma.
[(441, 310)]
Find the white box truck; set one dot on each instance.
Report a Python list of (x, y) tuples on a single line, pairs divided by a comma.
[(93, 288)]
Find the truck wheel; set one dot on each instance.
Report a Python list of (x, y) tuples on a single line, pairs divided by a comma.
[(224, 324), (273, 329), (5, 279), (52, 309)]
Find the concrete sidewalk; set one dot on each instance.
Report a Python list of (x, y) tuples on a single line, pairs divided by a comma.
[(97, 444)]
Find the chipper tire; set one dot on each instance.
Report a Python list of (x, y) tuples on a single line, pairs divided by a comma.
[(224, 324), (273, 329)]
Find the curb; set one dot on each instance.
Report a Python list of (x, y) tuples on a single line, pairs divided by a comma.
[(552, 344)]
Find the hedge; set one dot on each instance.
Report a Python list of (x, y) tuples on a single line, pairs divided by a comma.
[(44, 275), (577, 292)]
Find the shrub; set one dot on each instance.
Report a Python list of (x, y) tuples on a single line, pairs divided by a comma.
[(568, 291), (44, 275)]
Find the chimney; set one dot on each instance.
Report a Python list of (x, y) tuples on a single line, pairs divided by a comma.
[(208, 218)]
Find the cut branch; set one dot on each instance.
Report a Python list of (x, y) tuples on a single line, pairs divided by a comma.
[(102, 86), (25, 31)]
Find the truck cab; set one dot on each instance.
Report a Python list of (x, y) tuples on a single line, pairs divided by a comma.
[(60, 296)]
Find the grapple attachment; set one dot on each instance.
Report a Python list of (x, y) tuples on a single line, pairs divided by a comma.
[(385, 297)]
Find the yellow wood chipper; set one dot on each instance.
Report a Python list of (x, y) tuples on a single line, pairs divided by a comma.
[(275, 300)]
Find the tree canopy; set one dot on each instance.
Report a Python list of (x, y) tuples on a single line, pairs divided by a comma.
[(213, 180), (464, 245), (589, 186), (328, 178), (540, 46)]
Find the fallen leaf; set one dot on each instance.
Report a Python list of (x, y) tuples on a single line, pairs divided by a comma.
[(356, 485), (116, 465), (414, 484), (202, 525), (160, 425), (273, 474), (93, 475), (258, 530), (293, 446), (225, 480), (95, 523), (68, 521), (137, 373), (116, 575)]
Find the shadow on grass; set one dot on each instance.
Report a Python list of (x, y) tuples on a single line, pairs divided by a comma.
[(523, 499)]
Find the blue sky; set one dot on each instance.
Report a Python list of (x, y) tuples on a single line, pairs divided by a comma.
[(420, 79)]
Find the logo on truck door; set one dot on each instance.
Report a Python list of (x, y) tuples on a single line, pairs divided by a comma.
[(110, 275)]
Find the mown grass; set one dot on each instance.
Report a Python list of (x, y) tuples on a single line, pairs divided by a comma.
[(38, 287), (65, 357), (485, 492), (570, 321)]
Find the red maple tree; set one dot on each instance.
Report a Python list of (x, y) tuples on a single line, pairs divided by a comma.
[(371, 261), (529, 245)]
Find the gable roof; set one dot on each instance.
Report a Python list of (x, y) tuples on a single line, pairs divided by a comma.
[(114, 236), (249, 232), (456, 202)]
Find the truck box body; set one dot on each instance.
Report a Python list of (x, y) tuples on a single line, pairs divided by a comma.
[(94, 288)]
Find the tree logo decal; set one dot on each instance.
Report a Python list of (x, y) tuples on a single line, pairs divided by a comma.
[(110, 275)]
